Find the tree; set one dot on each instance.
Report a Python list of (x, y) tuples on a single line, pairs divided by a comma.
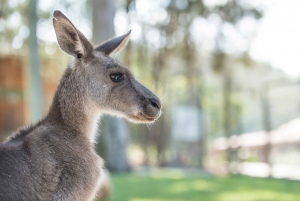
[(113, 138), (180, 18)]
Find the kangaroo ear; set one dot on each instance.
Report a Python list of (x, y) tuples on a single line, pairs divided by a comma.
[(70, 39), (113, 46)]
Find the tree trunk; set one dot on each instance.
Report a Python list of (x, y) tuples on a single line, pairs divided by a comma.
[(192, 75), (265, 106), (227, 88), (103, 20), (112, 142), (35, 85)]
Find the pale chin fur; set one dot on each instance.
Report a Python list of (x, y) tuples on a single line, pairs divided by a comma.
[(113, 113), (131, 119), (92, 133)]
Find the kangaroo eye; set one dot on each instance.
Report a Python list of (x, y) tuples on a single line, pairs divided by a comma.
[(116, 77)]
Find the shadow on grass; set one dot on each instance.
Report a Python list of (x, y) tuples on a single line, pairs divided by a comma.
[(130, 187)]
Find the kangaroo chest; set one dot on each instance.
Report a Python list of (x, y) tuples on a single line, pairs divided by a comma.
[(78, 183), (81, 172)]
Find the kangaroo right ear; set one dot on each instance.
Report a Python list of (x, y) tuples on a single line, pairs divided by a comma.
[(70, 39), (113, 46)]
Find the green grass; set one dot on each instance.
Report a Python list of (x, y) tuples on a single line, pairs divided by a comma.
[(179, 187)]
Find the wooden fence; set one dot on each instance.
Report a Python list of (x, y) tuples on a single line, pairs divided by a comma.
[(261, 154), (14, 107)]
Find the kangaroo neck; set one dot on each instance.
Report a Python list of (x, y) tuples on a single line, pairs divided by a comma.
[(71, 107)]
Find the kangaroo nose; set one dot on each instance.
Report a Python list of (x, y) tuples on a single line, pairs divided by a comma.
[(155, 102)]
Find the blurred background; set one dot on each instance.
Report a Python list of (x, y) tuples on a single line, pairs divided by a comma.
[(227, 72)]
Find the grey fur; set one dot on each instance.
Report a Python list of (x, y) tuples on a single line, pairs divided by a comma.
[(54, 159)]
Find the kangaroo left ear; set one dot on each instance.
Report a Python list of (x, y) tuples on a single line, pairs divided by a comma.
[(70, 39), (113, 46)]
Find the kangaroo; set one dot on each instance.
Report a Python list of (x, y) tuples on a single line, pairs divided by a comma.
[(55, 159)]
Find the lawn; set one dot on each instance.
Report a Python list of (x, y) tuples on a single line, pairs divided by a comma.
[(170, 186)]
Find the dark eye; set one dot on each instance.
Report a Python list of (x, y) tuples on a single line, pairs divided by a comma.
[(116, 77)]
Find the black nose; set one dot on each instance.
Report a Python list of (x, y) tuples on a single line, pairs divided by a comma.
[(155, 102)]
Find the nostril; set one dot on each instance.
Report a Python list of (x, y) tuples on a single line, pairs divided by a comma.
[(155, 103)]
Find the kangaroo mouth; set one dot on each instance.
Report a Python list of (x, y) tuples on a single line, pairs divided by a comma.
[(141, 117), (150, 118)]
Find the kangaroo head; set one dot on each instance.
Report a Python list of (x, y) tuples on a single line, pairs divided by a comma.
[(106, 83)]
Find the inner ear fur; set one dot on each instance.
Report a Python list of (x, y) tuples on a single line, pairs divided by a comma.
[(113, 46), (70, 39)]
